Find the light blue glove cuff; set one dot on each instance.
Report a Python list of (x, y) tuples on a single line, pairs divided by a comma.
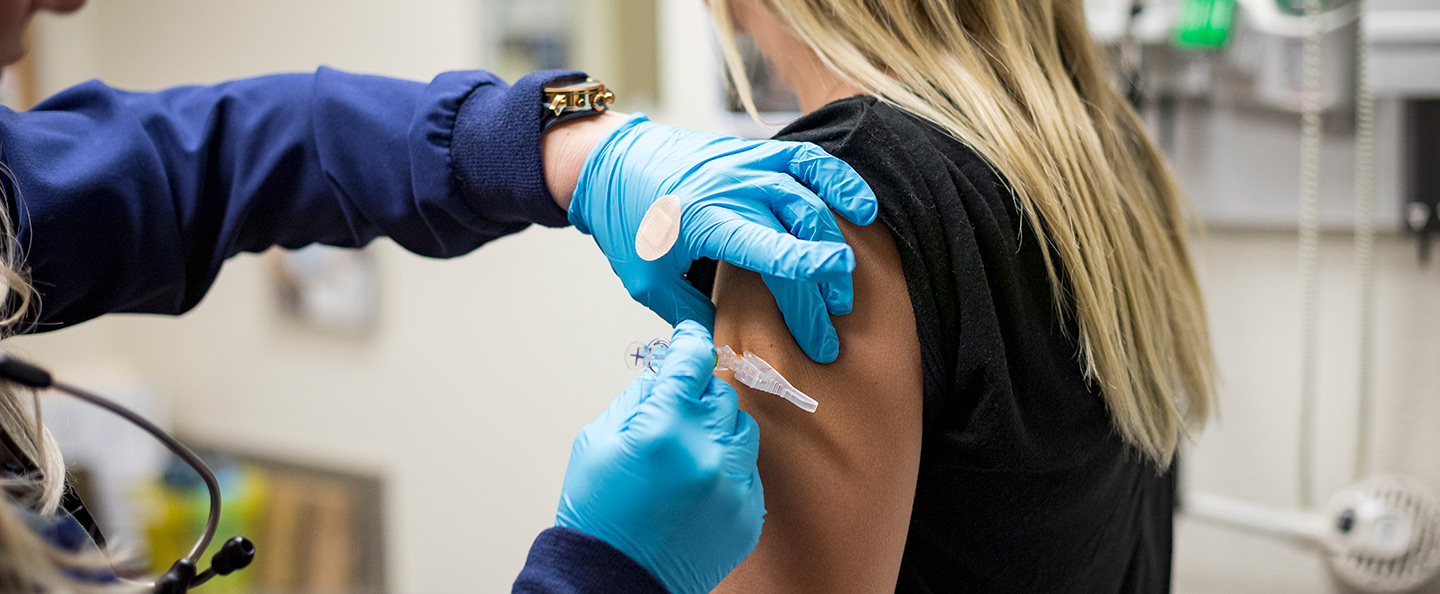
[(587, 185)]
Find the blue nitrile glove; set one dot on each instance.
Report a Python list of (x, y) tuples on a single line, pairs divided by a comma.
[(667, 475), (739, 199)]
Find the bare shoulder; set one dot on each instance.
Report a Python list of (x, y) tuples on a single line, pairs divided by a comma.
[(839, 483)]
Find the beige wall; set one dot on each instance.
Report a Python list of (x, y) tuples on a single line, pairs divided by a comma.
[(484, 367), (156, 43)]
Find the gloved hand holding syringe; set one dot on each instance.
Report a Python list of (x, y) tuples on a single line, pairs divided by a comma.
[(749, 369)]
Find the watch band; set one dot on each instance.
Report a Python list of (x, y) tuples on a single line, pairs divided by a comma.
[(575, 100)]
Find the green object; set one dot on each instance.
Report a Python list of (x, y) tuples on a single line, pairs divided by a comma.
[(1205, 24)]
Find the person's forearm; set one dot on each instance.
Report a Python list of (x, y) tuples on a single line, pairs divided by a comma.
[(566, 145)]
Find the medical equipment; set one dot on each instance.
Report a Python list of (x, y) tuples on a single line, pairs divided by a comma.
[(647, 356), (749, 369), (1271, 17), (753, 371), (1205, 24), (1422, 208), (234, 555), (1381, 535)]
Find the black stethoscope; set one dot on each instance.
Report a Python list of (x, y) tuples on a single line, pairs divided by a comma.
[(234, 555)]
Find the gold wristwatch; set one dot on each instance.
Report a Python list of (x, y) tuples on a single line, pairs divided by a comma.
[(575, 100)]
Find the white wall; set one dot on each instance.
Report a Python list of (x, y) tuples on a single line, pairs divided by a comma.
[(156, 43), (484, 367)]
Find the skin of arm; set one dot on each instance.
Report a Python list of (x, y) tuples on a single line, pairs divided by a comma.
[(566, 145), (839, 483)]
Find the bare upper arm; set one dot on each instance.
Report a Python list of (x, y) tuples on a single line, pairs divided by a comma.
[(839, 483)]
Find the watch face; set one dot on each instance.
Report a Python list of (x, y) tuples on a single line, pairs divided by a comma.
[(588, 95)]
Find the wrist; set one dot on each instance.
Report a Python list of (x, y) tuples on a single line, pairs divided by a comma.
[(565, 147), (495, 155)]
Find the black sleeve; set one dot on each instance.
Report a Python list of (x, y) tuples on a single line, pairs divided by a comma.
[(907, 181)]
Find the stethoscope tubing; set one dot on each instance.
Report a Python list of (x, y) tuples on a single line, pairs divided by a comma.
[(181, 577), (212, 521)]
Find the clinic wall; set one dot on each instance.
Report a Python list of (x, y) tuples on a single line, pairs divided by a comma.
[(148, 44), (466, 397), (1249, 452)]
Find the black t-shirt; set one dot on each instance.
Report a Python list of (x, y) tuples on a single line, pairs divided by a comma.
[(1024, 486)]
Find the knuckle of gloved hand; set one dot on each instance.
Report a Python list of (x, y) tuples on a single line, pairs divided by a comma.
[(687, 371), (803, 218), (663, 448), (692, 342), (698, 469), (708, 474)]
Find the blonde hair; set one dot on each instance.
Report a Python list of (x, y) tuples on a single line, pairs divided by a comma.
[(28, 561), (19, 408), (1023, 85)]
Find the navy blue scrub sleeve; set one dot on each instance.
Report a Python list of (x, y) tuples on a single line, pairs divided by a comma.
[(131, 202), (568, 561)]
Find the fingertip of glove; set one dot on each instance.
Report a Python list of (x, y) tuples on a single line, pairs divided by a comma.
[(828, 350), (692, 330), (834, 263), (691, 356), (691, 327), (840, 304), (863, 207), (870, 211), (689, 306)]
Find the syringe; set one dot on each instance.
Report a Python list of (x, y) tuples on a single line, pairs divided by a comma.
[(753, 371), (749, 369)]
